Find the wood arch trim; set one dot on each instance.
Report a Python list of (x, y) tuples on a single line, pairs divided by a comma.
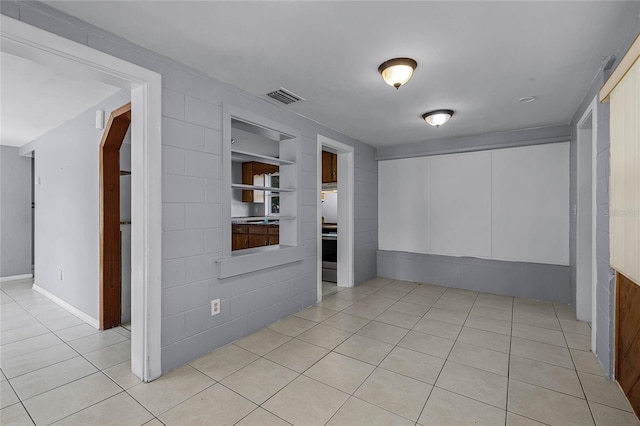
[(110, 268)]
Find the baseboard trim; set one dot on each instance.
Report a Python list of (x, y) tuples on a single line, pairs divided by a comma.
[(72, 309), (16, 277)]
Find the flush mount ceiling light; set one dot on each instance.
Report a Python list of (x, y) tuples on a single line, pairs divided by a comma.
[(438, 117), (527, 99), (396, 72)]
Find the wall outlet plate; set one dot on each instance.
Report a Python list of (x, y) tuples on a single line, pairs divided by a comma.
[(215, 307)]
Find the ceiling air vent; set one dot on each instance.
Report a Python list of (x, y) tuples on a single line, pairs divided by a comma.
[(285, 96)]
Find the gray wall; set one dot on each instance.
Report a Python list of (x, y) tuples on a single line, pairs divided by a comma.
[(67, 208), (605, 291), (15, 213), (534, 280), (192, 240), (520, 279)]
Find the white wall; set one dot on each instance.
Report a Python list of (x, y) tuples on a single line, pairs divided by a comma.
[(509, 204), (67, 208), (15, 213)]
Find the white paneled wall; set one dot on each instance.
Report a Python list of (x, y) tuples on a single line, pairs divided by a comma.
[(508, 204), (625, 175)]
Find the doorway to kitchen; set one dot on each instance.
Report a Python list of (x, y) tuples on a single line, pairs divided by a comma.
[(335, 216)]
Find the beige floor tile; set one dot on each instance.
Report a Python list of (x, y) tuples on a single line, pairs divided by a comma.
[(224, 361), (97, 341), (346, 322), (607, 416), (537, 334), (316, 313), (586, 362), (491, 312), (398, 319), (405, 286), (15, 415), (578, 341), (292, 325), (383, 332), (111, 355), (532, 305), (489, 324), (477, 384), (24, 347), (517, 420), (261, 417), (341, 372), (390, 293), (22, 333), (399, 394), (606, 392), (365, 310), (364, 349), (120, 409), (263, 341), (171, 389), (544, 352), (420, 299), (413, 364), (65, 322), (409, 308), (215, 405), (122, 375), (36, 360), (545, 375), (306, 402), (481, 358), (549, 321), (428, 344), (44, 379), (494, 301), (17, 321), (76, 332), (564, 312), (454, 305), (154, 422), (7, 395), (297, 355), (324, 336), (356, 412), (353, 296), (259, 380), (547, 406), (485, 339), (578, 327), (453, 317), (438, 328), (335, 303), (446, 408), (62, 401)]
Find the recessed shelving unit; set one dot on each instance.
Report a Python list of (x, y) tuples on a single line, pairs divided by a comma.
[(249, 156), (260, 188)]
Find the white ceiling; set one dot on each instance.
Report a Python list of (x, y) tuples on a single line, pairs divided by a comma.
[(36, 99), (477, 58)]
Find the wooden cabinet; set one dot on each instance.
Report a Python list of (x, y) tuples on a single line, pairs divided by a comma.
[(251, 169), (254, 235), (329, 167)]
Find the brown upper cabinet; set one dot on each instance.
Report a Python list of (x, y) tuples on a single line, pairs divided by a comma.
[(329, 167), (250, 172)]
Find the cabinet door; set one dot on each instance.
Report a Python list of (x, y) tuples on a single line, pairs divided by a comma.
[(247, 179), (258, 240), (327, 166), (334, 167), (239, 241), (274, 240)]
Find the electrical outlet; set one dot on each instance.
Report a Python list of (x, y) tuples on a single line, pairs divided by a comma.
[(215, 307)]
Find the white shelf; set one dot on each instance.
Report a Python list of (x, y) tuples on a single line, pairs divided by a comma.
[(259, 188), (248, 156), (258, 218)]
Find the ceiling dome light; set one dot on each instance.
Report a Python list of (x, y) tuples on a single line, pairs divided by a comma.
[(396, 72), (438, 117), (527, 99)]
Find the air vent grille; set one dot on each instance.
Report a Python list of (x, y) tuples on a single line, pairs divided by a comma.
[(285, 96)]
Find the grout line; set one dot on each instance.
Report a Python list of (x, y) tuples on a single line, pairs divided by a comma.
[(506, 407)]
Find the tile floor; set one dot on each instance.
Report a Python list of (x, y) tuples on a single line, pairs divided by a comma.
[(384, 353)]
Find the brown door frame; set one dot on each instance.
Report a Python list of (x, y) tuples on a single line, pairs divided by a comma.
[(110, 268)]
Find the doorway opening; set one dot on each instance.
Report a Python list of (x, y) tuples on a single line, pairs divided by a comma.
[(335, 215), (72, 58), (586, 267)]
